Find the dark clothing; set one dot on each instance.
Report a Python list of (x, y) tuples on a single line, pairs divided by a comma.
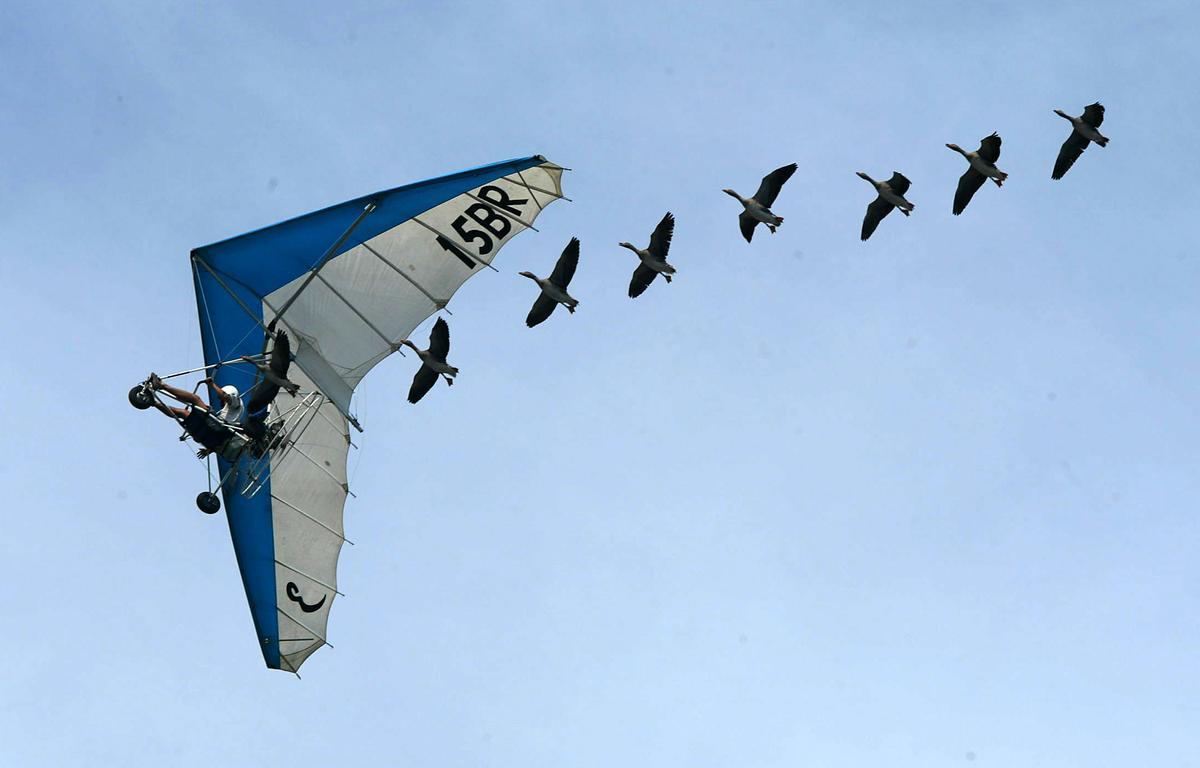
[(206, 429)]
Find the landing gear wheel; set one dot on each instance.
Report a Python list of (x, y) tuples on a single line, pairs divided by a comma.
[(140, 397), (209, 503)]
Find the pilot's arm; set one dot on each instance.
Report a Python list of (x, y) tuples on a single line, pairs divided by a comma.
[(225, 398)]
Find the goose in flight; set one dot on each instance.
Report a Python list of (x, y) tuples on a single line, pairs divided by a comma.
[(273, 373), (554, 288), (433, 361), (654, 257), (758, 208), (1083, 132), (983, 167), (891, 195)]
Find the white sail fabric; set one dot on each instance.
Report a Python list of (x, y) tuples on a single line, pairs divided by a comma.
[(367, 299), (308, 492), (350, 317)]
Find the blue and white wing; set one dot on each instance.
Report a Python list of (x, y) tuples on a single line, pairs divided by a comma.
[(400, 256)]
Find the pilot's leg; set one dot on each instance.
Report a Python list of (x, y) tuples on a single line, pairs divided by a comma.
[(174, 413), (182, 395)]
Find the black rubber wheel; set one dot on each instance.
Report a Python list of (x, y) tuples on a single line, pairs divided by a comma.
[(140, 397), (209, 503)]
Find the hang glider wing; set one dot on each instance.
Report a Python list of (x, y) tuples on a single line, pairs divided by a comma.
[(347, 283)]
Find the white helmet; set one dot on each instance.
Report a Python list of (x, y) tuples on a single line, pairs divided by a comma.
[(232, 410)]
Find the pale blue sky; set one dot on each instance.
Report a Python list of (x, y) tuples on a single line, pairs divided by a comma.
[(924, 501)]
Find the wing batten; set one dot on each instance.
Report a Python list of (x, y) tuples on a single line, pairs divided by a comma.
[(311, 519), (438, 303), (313, 579)]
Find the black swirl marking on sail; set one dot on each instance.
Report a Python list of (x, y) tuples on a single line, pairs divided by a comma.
[(293, 593)]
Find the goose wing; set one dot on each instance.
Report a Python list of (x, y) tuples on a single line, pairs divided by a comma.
[(875, 213), (423, 381), (772, 183), (281, 355), (642, 277), (1072, 148), (747, 223), (265, 390), (968, 184), (439, 340), (660, 241), (542, 307), (1093, 114), (989, 149), (899, 183), (564, 270)]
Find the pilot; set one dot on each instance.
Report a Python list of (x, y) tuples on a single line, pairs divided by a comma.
[(195, 416)]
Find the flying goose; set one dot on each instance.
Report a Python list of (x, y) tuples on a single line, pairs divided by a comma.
[(758, 208), (983, 167), (554, 288), (654, 258), (1083, 132), (433, 361), (891, 195)]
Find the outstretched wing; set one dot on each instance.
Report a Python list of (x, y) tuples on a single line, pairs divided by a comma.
[(989, 149), (1072, 148), (281, 355), (384, 263), (564, 269), (968, 184), (899, 183), (265, 390), (660, 241), (772, 183), (747, 223), (1093, 114), (543, 305), (439, 340), (642, 277), (422, 382), (875, 213)]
